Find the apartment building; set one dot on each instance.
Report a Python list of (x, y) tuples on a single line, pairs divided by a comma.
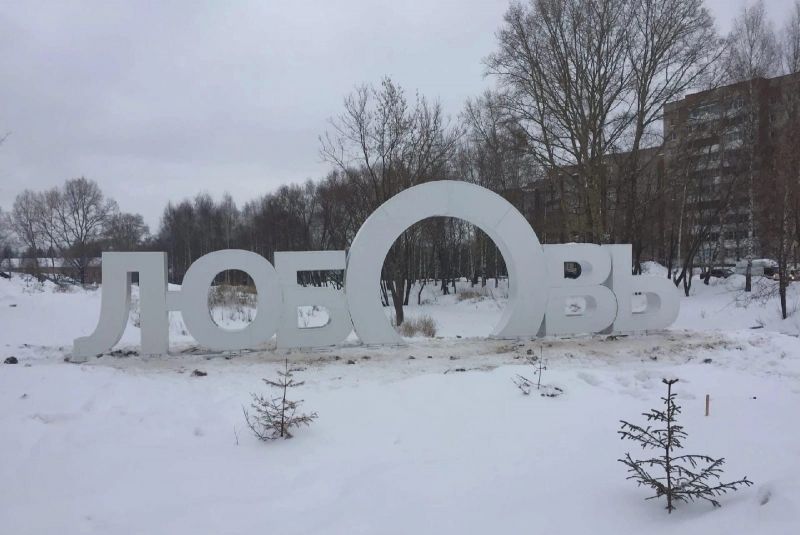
[(719, 142), (717, 146)]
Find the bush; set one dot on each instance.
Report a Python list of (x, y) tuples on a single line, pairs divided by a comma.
[(231, 302), (467, 294), (422, 325)]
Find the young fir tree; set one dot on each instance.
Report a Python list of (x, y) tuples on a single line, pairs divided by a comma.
[(526, 385), (681, 478), (274, 416)]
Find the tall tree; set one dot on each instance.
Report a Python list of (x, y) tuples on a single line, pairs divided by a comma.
[(563, 71), (779, 196), (125, 232), (24, 223), (82, 213), (751, 52), (385, 144), (587, 80), (791, 40), (752, 49), (6, 239), (671, 47)]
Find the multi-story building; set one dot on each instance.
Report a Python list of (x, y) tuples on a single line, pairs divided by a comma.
[(719, 143), (555, 207)]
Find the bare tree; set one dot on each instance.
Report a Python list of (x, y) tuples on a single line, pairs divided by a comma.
[(6, 239), (703, 161), (779, 195), (494, 151), (125, 232), (671, 47), (791, 40), (384, 144), (24, 223), (752, 49), (563, 71), (752, 52), (82, 213)]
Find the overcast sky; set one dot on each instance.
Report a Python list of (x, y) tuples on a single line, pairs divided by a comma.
[(161, 100)]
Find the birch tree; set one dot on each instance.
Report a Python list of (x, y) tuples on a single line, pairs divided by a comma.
[(751, 52)]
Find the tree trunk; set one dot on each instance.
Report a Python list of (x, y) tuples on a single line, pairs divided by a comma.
[(397, 289), (782, 292), (748, 276)]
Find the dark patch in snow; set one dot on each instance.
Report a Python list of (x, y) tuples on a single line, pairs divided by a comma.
[(550, 391), (122, 353)]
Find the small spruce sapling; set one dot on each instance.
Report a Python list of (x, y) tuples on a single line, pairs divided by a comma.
[(526, 385), (681, 478), (273, 417)]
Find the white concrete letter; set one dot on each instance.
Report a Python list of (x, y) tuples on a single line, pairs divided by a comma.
[(193, 300), (595, 268), (339, 325), (116, 300), (661, 295), (494, 215)]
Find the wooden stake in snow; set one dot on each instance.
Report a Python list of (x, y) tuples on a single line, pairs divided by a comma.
[(708, 403)]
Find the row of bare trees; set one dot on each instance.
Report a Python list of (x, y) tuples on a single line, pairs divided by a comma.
[(743, 143), (587, 80), (579, 98), (72, 223)]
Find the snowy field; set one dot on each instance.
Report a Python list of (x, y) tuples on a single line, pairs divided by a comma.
[(432, 437)]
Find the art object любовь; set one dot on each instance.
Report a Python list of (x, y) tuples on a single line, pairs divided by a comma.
[(537, 300)]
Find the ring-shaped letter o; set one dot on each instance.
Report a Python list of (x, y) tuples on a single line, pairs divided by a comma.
[(521, 250), (194, 294)]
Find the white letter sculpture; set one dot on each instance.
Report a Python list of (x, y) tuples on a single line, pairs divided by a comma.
[(539, 291), (527, 269)]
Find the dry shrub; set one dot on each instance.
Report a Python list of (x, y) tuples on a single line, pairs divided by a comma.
[(232, 301), (422, 325), (467, 294), (62, 288)]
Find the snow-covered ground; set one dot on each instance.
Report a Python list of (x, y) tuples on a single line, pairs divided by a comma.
[(432, 437)]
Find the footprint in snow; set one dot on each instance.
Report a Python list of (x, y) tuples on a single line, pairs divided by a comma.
[(589, 378), (54, 418)]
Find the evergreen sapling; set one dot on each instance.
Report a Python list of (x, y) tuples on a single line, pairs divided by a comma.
[(526, 385), (273, 417), (681, 478)]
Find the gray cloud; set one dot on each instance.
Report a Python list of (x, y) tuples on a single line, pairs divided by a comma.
[(160, 100)]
